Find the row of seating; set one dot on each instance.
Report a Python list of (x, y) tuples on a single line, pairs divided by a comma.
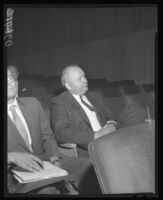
[(52, 84), (38, 79), (112, 173), (117, 94), (118, 97)]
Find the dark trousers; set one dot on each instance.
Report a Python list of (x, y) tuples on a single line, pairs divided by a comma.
[(85, 177)]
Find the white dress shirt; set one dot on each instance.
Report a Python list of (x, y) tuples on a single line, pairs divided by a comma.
[(90, 114), (19, 113)]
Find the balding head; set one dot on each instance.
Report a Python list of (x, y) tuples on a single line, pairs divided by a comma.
[(66, 73), (73, 78)]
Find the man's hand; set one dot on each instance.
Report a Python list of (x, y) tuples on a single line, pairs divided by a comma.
[(108, 128), (56, 161), (26, 161), (111, 128)]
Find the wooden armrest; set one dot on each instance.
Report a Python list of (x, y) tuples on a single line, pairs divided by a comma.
[(68, 145), (69, 149)]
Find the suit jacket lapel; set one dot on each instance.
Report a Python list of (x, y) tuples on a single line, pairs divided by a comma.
[(96, 106), (13, 130), (27, 116), (78, 106)]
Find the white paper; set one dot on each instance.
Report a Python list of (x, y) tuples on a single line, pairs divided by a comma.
[(48, 171)]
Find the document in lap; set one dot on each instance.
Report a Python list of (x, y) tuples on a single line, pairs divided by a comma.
[(49, 171)]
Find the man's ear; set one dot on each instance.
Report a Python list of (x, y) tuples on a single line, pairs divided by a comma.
[(67, 85)]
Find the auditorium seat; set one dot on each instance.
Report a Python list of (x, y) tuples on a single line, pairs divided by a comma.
[(68, 149), (52, 83), (97, 83), (114, 105), (44, 98), (121, 83), (113, 100), (124, 161), (25, 85), (133, 94), (149, 88)]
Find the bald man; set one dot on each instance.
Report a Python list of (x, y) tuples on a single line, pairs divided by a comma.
[(79, 116)]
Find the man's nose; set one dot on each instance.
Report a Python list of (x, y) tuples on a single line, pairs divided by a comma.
[(11, 83), (84, 80)]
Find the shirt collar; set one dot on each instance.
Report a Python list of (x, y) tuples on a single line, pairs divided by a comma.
[(76, 95), (14, 103)]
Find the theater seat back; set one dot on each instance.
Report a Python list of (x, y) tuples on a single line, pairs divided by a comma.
[(124, 161)]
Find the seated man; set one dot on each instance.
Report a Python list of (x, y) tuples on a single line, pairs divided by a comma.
[(31, 141), (79, 116)]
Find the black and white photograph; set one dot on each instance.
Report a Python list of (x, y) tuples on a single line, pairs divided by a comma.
[(81, 100)]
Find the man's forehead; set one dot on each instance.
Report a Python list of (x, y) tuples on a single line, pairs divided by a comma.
[(76, 71), (8, 72)]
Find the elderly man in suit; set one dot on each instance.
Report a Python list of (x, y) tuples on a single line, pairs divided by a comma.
[(79, 116), (31, 141)]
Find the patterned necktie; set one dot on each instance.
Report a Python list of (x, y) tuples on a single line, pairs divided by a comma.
[(20, 126), (86, 104), (91, 108)]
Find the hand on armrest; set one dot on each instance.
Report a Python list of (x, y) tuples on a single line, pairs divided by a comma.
[(108, 128)]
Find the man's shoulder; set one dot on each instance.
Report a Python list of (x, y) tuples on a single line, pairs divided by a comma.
[(28, 100), (61, 97)]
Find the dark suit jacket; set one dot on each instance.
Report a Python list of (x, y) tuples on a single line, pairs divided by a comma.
[(43, 142), (71, 124), (69, 121), (44, 146)]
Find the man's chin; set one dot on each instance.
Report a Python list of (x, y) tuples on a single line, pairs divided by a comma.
[(11, 97), (84, 92)]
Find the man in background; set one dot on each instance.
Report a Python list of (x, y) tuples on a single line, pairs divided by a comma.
[(79, 116)]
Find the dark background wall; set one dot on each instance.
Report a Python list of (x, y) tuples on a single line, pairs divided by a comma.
[(116, 43)]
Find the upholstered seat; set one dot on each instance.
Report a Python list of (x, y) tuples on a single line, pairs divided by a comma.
[(68, 149), (134, 94), (124, 161)]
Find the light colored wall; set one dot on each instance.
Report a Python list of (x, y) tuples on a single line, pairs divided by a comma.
[(123, 57)]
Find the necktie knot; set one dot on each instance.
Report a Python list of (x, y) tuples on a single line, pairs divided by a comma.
[(86, 104), (91, 108), (13, 111)]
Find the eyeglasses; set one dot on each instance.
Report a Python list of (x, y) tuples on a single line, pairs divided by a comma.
[(12, 77)]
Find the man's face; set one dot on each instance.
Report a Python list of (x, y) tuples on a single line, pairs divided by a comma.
[(13, 70), (77, 81), (12, 86)]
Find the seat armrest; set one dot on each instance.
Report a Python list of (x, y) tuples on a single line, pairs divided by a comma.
[(68, 145), (69, 149)]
